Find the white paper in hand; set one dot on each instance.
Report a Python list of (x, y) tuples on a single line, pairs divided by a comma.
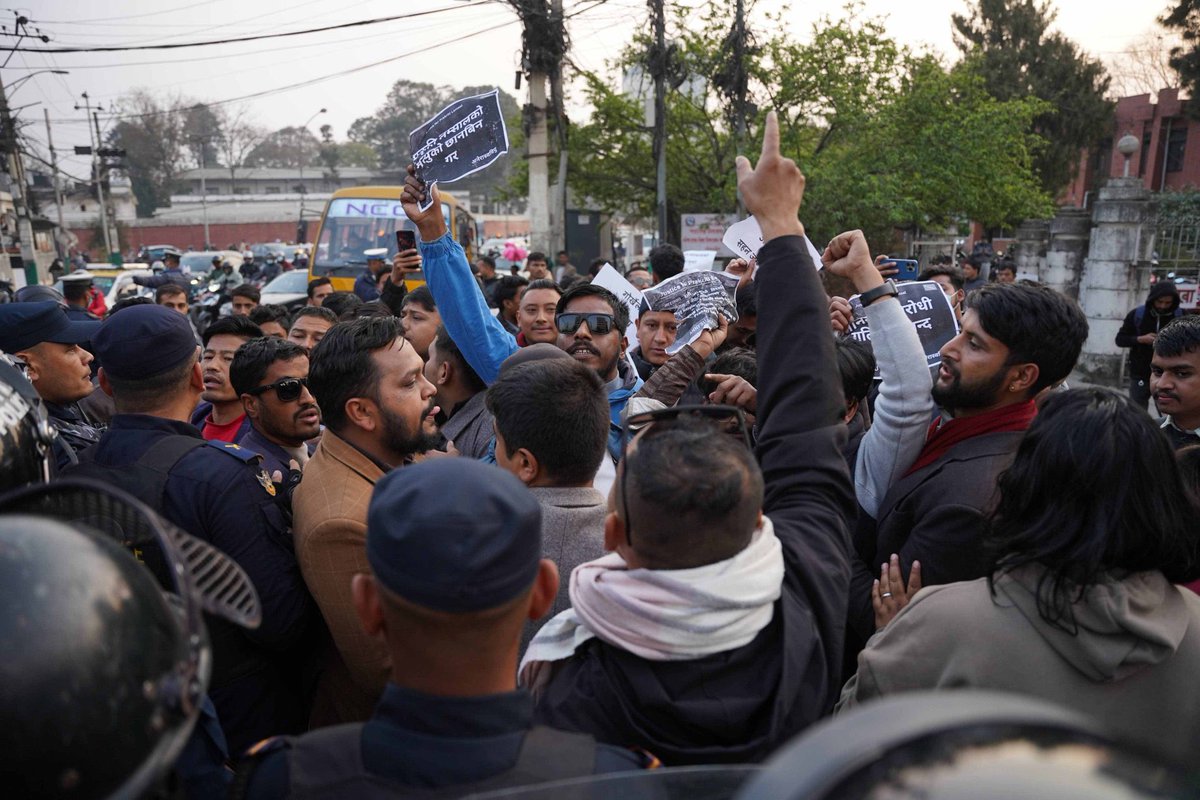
[(745, 238), (698, 260), (627, 293)]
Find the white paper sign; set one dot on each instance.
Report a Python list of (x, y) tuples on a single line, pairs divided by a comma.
[(698, 260), (745, 239), (627, 293)]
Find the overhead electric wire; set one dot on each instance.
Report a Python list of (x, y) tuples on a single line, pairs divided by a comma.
[(132, 16), (238, 40), (311, 81), (225, 57)]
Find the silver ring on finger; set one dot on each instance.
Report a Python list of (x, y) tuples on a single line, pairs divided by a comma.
[(886, 594)]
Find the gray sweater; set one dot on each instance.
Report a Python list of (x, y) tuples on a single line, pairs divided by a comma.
[(572, 534), (903, 409)]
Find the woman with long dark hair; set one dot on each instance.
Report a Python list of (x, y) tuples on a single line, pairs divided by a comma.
[(1092, 529)]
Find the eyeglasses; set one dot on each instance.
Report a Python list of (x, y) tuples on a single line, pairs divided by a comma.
[(598, 324), (286, 389), (723, 419)]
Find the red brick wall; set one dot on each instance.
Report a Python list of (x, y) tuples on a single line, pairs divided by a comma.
[(184, 236)]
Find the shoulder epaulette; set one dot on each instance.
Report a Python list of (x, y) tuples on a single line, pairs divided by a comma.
[(235, 450)]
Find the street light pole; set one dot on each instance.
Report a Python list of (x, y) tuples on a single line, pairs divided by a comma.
[(304, 127)]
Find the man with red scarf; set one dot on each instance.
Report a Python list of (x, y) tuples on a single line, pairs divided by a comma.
[(1016, 340)]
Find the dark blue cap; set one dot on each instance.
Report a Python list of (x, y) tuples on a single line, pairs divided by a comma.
[(454, 535), (143, 341), (23, 325)]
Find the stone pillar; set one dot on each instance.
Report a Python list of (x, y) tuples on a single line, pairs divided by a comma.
[(1033, 236), (1112, 283), (1067, 250)]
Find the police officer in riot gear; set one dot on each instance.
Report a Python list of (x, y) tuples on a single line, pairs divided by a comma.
[(102, 685), (220, 494)]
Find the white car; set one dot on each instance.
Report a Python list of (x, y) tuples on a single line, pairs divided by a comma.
[(288, 289)]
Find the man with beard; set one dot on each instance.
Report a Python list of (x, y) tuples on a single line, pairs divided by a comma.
[(270, 375), (590, 320), (379, 411), (1016, 341)]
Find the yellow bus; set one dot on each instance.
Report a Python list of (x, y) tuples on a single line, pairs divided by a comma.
[(365, 217)]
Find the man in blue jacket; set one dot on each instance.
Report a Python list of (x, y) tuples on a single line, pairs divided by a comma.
[(591, 320)]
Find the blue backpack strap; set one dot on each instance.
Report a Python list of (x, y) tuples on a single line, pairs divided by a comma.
[(1139, 314)]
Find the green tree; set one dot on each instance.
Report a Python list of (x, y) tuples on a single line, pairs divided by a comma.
[(1008, 43), (887, 139), (152, 133), (1185, 57), (203, 131), (286, 147)]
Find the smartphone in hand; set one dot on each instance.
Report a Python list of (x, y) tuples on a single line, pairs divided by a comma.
[(406, 240), (908, 268)]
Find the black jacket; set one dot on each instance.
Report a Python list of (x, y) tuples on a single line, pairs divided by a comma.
[(739, 705), (1151, 322), (935, 516)]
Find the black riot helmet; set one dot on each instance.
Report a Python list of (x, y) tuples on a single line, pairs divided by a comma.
[(106, 660), (965, 745), (25, 432), (37, 293)]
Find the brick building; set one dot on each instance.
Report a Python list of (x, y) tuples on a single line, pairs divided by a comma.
[(1169, 157)]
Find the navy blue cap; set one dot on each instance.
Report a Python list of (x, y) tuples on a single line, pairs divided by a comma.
[(454, 535), (143, 341), (23, 325)]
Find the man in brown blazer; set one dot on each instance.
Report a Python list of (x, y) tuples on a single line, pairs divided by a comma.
[(378, 411)]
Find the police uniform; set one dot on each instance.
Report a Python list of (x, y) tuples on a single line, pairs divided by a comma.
[(456, 536), (220, 493), (79, 313), (366, 286), (25, 325)]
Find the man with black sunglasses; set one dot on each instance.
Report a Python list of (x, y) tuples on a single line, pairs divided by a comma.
[(591, 321), (713, 632), (270, 375)]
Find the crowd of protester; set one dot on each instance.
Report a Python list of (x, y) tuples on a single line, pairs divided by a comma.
[(496, 544)]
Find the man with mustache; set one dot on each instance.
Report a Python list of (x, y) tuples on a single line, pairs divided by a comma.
[(220, 416), (1175, 380), (1016, 341), (590, 320), (379, 410), (270, 375)]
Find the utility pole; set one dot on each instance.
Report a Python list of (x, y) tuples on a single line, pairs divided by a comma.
[(539, 177), (559, 231), (740, 88), (204, 195), (658, 64), (19, 189), (87, 108), (58, 198)]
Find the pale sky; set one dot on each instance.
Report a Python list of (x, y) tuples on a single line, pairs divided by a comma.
[(489, 53)]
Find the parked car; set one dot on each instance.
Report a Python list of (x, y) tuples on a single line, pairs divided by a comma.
[(155, 252), (200, 262), (289, 289)]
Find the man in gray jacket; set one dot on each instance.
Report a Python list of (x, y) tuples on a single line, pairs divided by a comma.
[(551, 432)]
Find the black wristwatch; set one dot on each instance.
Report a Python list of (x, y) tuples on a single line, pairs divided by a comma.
[(888, 289)]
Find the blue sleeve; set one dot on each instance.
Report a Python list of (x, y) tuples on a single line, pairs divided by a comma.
[(479, 335)]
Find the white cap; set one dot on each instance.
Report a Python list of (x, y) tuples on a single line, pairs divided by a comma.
[(376, 252), (78, 276)]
